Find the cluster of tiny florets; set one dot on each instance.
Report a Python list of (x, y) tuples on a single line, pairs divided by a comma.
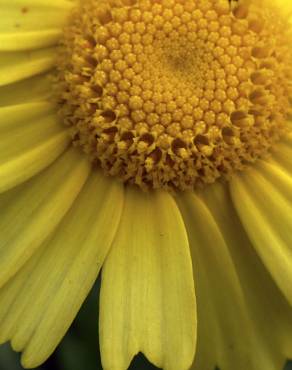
[(172, 94)]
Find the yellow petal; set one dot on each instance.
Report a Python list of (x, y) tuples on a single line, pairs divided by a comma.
[(224, 336), (18, 115), (10, 291), (33, 89), (16, 66), (282, 154), (33, 24), (262, 198), (268, 310), (34, 210), (147, 300), (31, 162), (20, 137), (28, 40), (62, 273), (40, 139), (19, 15)]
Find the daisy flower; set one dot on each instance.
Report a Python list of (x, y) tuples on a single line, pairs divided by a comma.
[(150, 139)]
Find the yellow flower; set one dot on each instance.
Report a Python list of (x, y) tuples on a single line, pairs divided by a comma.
[(178, 183)]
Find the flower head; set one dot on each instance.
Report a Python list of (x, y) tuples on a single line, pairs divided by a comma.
[(152, 139), (174, 94)]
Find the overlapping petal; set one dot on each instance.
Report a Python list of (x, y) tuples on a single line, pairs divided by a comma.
[(224, 330), (36, 209), (147, 296), (267, 309), (17, 66), (48, 291), (263, 200), (31, 138), (19, 17), (36, 88)]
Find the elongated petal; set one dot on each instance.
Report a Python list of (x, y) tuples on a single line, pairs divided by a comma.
[(19, 16), (262, 197), (62, 273), (21, 137), (19, 114), (40, 139), (26, 165), (33, 24), (16, 66), (29, 40), (33, 89), (224, 335), (37, 208), (147, 298), (268, 310)]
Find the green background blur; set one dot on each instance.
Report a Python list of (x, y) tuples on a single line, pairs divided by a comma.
[(79, 348)]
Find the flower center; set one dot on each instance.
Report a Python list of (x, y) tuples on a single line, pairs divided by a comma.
[(172, 93)]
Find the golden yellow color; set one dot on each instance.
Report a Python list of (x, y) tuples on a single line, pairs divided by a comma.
[(188, 100), (175, 94)]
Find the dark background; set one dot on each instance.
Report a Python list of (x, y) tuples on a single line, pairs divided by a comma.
[(79, 348)]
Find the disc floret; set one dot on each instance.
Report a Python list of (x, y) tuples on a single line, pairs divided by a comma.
[(173, 94)]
